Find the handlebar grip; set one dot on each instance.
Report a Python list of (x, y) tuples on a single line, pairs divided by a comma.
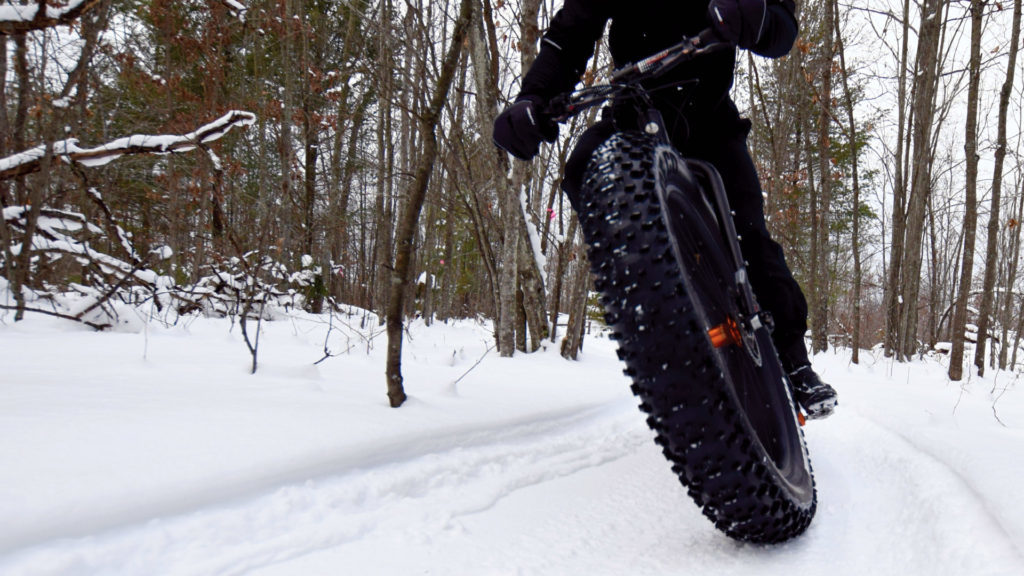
[(707, 37)]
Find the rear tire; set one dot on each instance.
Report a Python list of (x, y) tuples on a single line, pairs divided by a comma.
[(723, 416)]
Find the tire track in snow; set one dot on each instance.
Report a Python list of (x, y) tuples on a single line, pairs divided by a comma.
[(886, 507), (875, 486), (983, 504), (412, 487)]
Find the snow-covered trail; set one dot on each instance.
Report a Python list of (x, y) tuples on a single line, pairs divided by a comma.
[(886, 508), (577, 493), (531, 466)]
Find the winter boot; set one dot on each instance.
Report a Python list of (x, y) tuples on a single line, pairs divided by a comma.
[(817, 398)]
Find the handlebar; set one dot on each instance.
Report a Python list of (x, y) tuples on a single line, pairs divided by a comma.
[(667, 59), (628, 78)]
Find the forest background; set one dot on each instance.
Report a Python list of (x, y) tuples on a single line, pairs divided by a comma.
[(237, 158)]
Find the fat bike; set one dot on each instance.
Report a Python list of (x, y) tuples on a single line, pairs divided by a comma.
[(666, 260)]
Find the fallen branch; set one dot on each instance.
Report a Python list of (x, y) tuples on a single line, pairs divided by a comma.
[(471, 368), (30, 161), (93, 325)]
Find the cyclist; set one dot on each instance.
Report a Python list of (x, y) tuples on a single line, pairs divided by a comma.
[(702, 120)]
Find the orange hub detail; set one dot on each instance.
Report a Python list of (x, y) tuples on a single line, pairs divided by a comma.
[(726, 334)]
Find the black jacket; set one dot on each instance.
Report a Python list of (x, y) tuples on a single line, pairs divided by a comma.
[(640, 28)]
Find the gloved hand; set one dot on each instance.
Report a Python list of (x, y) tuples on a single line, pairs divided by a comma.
[(520, 129), (738, 21)]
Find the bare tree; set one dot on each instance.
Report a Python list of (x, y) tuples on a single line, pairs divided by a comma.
[(406, 233), (956, 356), (579, 287), (893, 304), (852, 137), (820, 259), (924, 91), (992, 253), (46, 16)]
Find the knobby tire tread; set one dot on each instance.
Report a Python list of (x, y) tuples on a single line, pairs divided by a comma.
[(697, 421)]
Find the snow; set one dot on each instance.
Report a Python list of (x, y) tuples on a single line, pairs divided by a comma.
[(157, 453), (27, 13), (30, 155), (237, 8), (531, 230)]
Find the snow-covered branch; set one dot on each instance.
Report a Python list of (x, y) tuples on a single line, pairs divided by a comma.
[(16, 18), (238, 10), (68, 150)]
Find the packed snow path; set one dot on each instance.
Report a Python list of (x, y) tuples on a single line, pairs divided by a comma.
[(528, 466)]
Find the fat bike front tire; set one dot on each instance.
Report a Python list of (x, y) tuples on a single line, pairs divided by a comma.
[(719, 406)]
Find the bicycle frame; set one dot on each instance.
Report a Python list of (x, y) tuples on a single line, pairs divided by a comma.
[(628, 82)]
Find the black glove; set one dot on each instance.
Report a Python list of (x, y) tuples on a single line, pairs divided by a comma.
[(520, 129), (738, 21)]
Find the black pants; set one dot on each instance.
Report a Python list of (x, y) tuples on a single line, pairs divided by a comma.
[(776, 289)]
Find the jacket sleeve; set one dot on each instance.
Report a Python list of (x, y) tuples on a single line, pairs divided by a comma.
[(780, 29), (566, 48)]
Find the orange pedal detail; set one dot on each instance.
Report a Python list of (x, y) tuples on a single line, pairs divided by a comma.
[(726, 334), (800, 418)]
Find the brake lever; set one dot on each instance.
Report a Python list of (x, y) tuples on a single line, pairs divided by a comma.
[(559, 108), (564, 106)]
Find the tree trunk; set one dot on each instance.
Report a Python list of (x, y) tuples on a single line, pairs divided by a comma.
[(530, 270), (925, 83), (892, 303), (406, 232), (382, 233), (5, 201), (956, 355), (513, 219), (855, 153), (991, 261), (564, 251), (19, 273), (448, 269), (1011, 280), (496, 164), (820, 297), (508, 275), (531, 284), (5, 126), (577, 305)]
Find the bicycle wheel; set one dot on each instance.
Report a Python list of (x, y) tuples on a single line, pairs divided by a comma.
[(711, 385)]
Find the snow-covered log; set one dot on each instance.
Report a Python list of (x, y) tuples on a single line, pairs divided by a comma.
[(68, 150)]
